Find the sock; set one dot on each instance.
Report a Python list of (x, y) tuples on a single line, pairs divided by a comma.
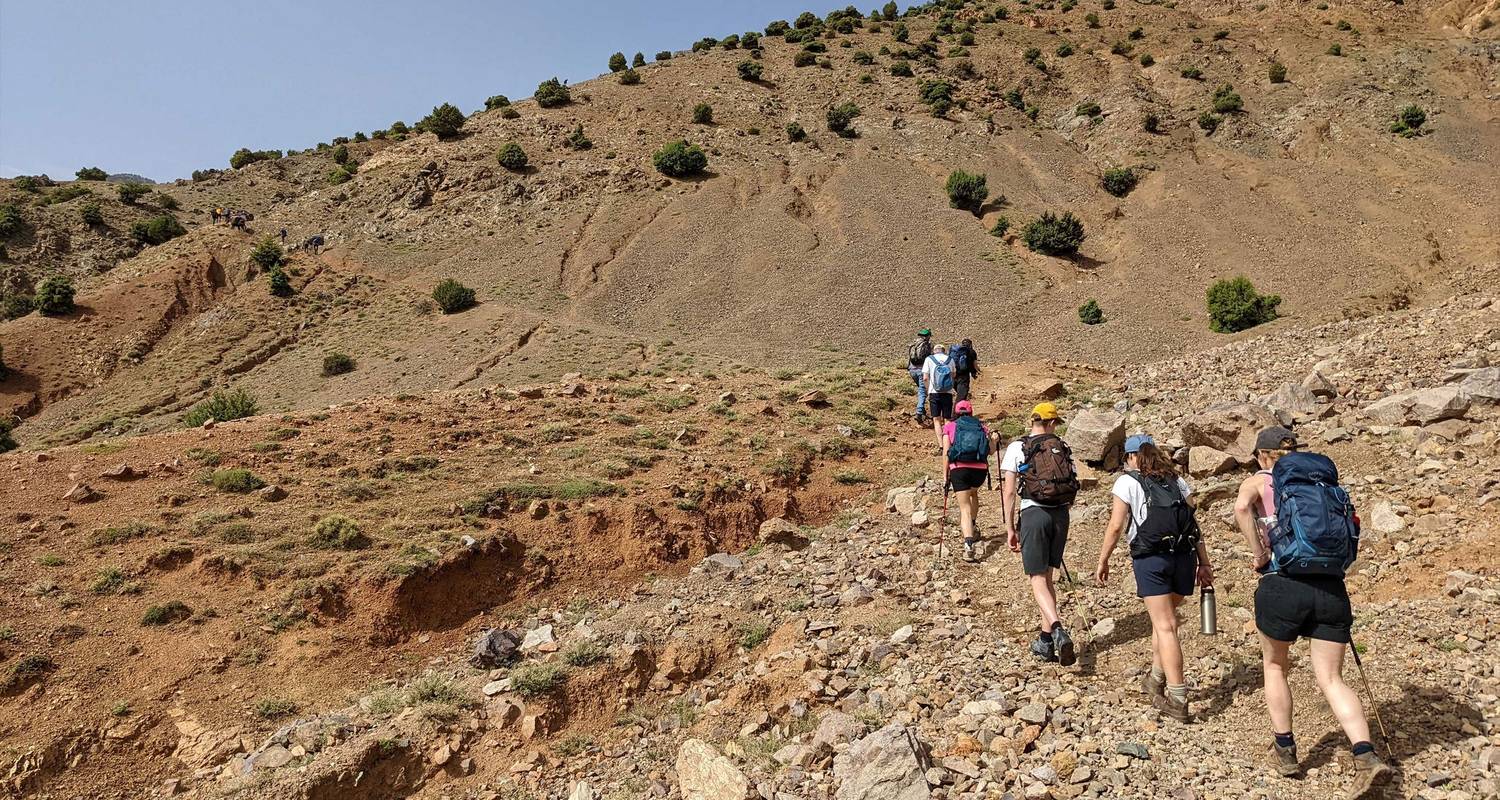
[(1046, 636), (1360, 748), (1178, 692), (1056, 626), (1284, 740), (1157, 674)]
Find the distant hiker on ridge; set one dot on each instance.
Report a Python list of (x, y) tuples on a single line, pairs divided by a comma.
[(283, 235), (1040, 484), (314, 243), (916, 357), (937, 375)]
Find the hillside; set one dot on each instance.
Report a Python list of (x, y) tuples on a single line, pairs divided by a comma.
[(786, 252)]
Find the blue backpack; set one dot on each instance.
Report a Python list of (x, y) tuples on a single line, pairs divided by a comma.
[(942, 376), (970, 444), (1316, 531)]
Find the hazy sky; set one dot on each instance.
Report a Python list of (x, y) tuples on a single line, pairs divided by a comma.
[(163, 87)]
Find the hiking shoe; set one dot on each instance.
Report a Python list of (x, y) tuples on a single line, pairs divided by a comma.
[(1285, 760), (1370, 773), (1064, 642), (1044, 649), (1153, 686), (969, 552), (1170, 706)]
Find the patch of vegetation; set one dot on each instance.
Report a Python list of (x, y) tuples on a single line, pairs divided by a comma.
[(1209, 122), (703, 114), (236, 480), (851, 477), (902, 69), (841, 118), (91, 174), (496, 101), (1001, 227), (584, 653), (750, 70), (629, 78), (55, 296), (1335, 49), (512, 157), (1119, 181), (11, 222), (274, 708), (1234, 305), (337, 364), (1276, 73), (157, 230), (452, 296), (795, 132), (551, 93), (534, 680), (1054, 235), (1226, 100), (244, 157), (133, 191), (678, 159), (166, 614), (91, 213), (445, 121), (117, 534), (1151, 123), (337, 532), (1192, 73), (222, 407), (1090, 314), (754, 633), (1409, 121)]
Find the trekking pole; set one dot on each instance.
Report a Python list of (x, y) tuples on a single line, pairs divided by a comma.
[(1082, 614), (943, 521), (1374, 707)]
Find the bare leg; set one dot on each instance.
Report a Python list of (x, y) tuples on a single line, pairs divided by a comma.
[(1166, 648), (1046, 598), (968, 509), (1328, 667), (1276, 662)]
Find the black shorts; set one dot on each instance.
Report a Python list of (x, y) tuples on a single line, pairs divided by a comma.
[(1168, 573), (940, 405), (964, 478), (1317, 608), (1044, 534)]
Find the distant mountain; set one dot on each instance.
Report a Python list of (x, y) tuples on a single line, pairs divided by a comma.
[(128, 177)]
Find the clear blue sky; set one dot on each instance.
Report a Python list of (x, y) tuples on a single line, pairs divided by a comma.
[(163, 87)]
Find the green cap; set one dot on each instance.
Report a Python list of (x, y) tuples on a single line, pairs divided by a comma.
[(925, 332)]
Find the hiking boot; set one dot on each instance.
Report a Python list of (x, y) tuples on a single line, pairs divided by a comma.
[(1370, 773), (969, 552), (1285, 760), (1064, 642), (1169, 705), (1153, 686), (1044, 649)]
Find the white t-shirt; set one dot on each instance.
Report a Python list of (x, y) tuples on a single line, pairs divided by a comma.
[(1130, 490), (929, 370), (1011, 462)]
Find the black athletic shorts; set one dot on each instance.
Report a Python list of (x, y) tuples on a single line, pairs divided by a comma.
[(1044, 534), (964, 478), (1317, 608), (1166, 573), (940, 404)]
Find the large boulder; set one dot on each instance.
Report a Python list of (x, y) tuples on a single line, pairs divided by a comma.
[(1291, 401), (703, 774), (889, 764), (1483, 385), (1230, 427), (778, 530), (1205, 462), (1097, 437), (1420, 406), (904, 500)]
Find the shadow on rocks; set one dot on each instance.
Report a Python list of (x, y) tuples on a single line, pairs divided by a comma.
[(1422, 717)]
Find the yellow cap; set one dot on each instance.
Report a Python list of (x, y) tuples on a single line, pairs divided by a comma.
[(1045, 412)]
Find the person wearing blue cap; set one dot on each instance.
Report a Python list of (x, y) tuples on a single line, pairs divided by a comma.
[(1152, 507)]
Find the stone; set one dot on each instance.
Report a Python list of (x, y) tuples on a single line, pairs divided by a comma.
[(581, 791), (813, 399), (1483, 385), (1134, 750), (123, 472), (1420, 406), (888, 764), (836, 728), (496, 687), (271, 494), (919, 518), (1097, 437), (271, 758), (1384, 519), (961, 766), (1206, 462), (1230, 427), (856, 595), (704, 774), (904, 500), (1035, 713), (723, 562), (1292, 400), (1318, 385), (494, 648), (903, 634), (778, 530), (81, 493), (1102, 628), (536, 637)]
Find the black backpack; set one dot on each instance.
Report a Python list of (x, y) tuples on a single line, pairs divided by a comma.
[(1170, 526), (1047, 476), (963, 359), (918, 351)]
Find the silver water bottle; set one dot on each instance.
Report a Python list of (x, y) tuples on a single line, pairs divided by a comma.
[(1208, 613)]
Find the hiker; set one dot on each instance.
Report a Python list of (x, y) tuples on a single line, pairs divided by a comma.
[(916, 356), (213, 215), (1302, 593), (1040, 484), (1152, 506), (314, 243), (283, 235), (937, 376), (966, 463), (965, 368)]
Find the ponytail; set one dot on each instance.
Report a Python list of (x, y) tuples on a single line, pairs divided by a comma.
[(1153, 463)]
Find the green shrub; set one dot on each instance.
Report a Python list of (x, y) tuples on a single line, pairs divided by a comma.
[(340, 154), (804, 58), (730, 42), (1088, 109), (807, 19), (1209, 122), (267, 254), (7, 442), (1192, 73), (92, 174), (222, 407), (638, 61), (496, 101), (337, 532), (1064, 50), (91, 213), (236, 481), (578, 140), (617, 63), (1234, 305), (452, 296), (1001, 227), (863, 58), (1226, 100), (584, 653), (167, 202), (166, 614), (279, 282), (795, 132), (1150, 123), (778, 28), (551, 93), (1090, 314), (706, 43), (274, 707), (244, 157), (703, 114), (630, 77), (1409, 121), (512, 157), (1276, 72), (337, 364), (889, 11), (157, 229), (1147, 60), (967, 191), (1118, 181), (679, 159), (754, 633), (1335, 49), (750, 70), (534, 680), (445, 121), (1092, 19), (902, 69), (55, 295), (1015, 99), (11, 222), (937, 94), (15, 306), (665, 55), (1054, 235), (841, 118), (509, 112), (133, 191)]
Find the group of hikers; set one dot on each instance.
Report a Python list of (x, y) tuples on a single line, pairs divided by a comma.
[(237, 219), (1298, 521)]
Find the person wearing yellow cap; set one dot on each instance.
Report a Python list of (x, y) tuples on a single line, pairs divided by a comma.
[(1040, 484)]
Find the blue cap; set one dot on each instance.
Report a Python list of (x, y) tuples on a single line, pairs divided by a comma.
[(1133, 444)]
